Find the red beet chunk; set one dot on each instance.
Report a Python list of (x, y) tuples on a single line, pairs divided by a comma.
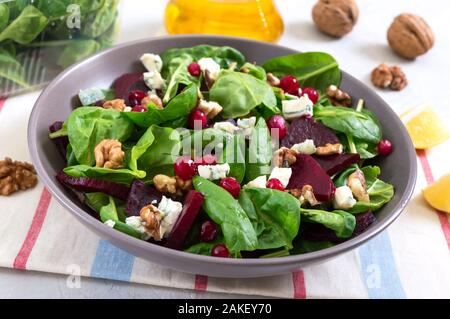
[(336, 163), (192, 205), (305, 128), (60, 142), (306, 171), (92, 185), (140, 196), (127, 83), (318, 232)]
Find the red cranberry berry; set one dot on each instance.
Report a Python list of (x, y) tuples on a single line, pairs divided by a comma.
[(194, 69), (135, 97), (384, 147), (231, 185), (184, 168), (220, 250), (289, 84), (207, 159), (139, 109), (278, 122), (312, 94), (197, 119), (208, 231), (274, 183)]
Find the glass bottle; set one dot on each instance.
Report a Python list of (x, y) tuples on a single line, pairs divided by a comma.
[(256, 19)]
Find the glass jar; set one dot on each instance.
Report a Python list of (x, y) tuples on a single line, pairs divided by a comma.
[(256, 19)]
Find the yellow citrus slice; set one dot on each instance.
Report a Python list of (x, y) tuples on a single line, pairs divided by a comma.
[(438, 194), (425, 127)]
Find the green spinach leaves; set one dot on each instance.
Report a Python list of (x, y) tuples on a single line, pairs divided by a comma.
[(239, 93), (315, 69)]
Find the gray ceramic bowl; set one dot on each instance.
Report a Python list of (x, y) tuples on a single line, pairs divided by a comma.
[(56, 103)]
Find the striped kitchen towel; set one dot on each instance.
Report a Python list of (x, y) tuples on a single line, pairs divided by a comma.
[(409, 260)]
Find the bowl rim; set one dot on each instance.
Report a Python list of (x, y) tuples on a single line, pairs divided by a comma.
[(111, 234)]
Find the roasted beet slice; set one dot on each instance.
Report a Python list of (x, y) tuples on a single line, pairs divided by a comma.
[(306, 171), (60, 142), (318, 232), (127, 83), (141, 195), (192, 205), (305, 128), (91, 185), (336, 163)]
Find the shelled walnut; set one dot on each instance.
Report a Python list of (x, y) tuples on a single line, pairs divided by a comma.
[(392, 77), (109, 154), (338, 97), (117, 104), (15, 176), (171, 185)]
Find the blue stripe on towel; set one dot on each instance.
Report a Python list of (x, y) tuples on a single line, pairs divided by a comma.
[(112, 263), (379, 270)]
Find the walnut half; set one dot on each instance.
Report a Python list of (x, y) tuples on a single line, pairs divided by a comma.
[(117, 104), (15, 175), (392, 77), (329, 149), (284, 157), (171, 185), (152, 217), (109, 154)]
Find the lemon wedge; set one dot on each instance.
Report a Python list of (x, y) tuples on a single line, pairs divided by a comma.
[(425, 127), (438, 194)]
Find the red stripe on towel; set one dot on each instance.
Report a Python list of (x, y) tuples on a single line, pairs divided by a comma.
[(2, 102), (298, 279), (33, 232), (201, 283), (443, 219)]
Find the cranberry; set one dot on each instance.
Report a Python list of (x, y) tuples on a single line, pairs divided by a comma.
[(208, 231), (197, 119), (207, 159), (135, 97), (231, 185), (185, 168), (194, 69), (274, 183), (139, 109), (289, 84), (278, 122), (312, 94), (384, 147), (220, 250)]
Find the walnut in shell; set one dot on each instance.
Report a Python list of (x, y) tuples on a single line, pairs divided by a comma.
[(335, 17), (410, 36)]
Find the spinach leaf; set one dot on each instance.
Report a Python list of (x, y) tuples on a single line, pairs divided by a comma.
[(88, 126), (109, 212), (379, 192), (77, 50), (176, 72), (259, 155), (225, 211), (234, 155), (97, 200), (361, 125), (223, 55), (247, 93), (255, 70), (102, 20), (201, 249), (315, 69), (26, 27), (341, 179), (4, 16), (179, 106), (341, 222), (275, 216), (121, 175), (157, 156)]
